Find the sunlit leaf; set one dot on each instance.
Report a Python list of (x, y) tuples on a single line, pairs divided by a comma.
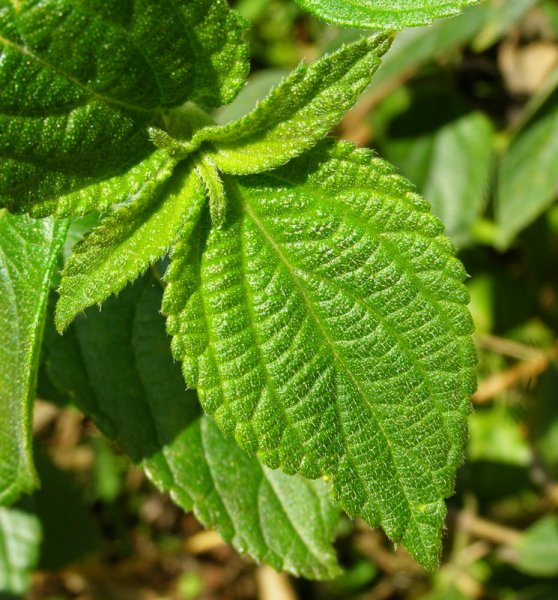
[(325, 327), (383, 14)]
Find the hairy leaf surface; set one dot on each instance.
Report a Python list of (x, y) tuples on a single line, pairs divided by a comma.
[(383, 14), (126, 242), (298, 112), (325, 327), (99, 196), (81, 81), (117, 365), (28, 252)]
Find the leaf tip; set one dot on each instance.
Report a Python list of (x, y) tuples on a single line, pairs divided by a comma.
[(383, 40), (60, 323), (62, 315)]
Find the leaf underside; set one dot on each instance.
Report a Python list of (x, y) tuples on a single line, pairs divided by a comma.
[(383, 14), (325, 327), (117, 365), (28, 252)]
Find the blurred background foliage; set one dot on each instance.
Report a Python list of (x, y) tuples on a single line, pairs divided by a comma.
[(468, 110)]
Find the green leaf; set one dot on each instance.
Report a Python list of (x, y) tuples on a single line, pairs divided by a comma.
[(496, 436), (383, 14), (20, 539), (28, 253), (116, 364), (126, 242), (499, 18), (528, 173), (537, 549), (102, 195), (325, 327), (550, 10), (81, 81), (447, 152), (214, 188), (297, 113)]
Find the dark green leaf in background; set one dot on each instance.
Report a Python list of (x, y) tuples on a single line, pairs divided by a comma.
[(495, 436), (479, 25), (116, 365), (498, 19), (447, 152), (528, 173), (69, 526), (543, 416), (537, 550), (550, 9), (28, 253)]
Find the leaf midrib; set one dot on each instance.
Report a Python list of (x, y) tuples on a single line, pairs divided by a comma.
[(340, 358), (405, 267)]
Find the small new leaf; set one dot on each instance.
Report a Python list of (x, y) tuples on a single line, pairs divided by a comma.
[(383, 14), (127, 241), (297, 113), (325, 327)]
